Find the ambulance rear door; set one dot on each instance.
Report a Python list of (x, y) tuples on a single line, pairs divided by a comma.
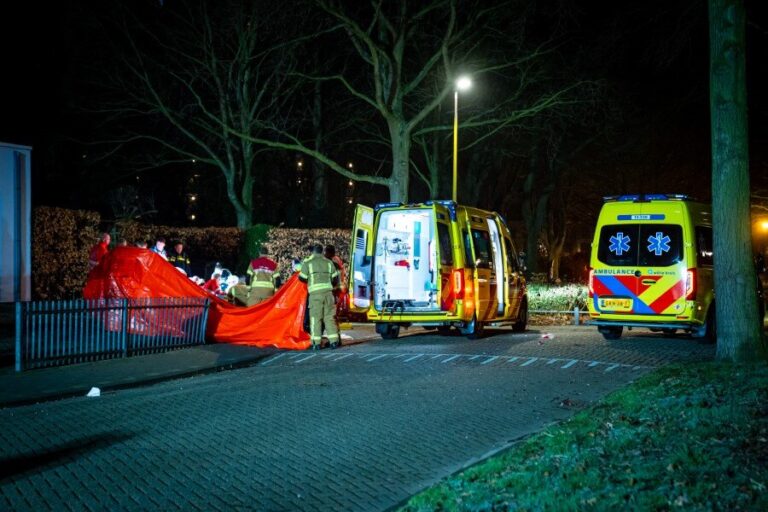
[(361, 259), (444, 262)]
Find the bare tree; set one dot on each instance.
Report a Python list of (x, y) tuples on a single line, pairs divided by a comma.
[(738, 329), (407, 60), (187, 75)]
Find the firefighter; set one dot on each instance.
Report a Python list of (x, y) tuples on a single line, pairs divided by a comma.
[(263, 274), (180, 259), (322, 278), (239, 294)]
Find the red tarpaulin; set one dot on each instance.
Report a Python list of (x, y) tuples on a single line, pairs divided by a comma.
[(132, 273)]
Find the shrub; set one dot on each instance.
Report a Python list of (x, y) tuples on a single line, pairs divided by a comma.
[(61, 240), (205, 245), (557, 298), (284, 244)]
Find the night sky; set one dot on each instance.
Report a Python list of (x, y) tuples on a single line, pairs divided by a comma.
[(653, 56)]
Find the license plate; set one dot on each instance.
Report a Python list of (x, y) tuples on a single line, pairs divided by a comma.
[(616, 304)]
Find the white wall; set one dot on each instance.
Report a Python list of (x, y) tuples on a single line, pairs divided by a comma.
[(15, 222)]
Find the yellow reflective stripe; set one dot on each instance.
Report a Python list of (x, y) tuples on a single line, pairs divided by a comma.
[(262, 284), (320, 287), (303, 275)]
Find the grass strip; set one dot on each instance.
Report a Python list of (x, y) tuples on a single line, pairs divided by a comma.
[(692, 437)]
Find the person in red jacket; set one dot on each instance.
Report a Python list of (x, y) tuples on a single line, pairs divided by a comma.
[(98, 251), (213, 284)]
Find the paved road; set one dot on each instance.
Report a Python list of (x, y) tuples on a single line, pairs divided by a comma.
[(359, 428)]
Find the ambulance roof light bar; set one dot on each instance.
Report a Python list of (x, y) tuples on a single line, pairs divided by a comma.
[(644, 198)]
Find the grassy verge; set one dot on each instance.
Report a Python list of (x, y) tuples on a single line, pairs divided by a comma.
[(692, 437)]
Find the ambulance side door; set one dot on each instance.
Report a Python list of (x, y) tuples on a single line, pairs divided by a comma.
[(513, 279), (361, 260)]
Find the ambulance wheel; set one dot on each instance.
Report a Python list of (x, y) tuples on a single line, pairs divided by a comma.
[(611, 333), (474, 329), (522, 317), (444, 330), (388, 331), (710, 327)]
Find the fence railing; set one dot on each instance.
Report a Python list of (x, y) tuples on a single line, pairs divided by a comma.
[(53, 333), (576, 312)]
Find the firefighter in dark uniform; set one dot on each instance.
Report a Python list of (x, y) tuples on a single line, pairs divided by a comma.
[(179, 259), (322, 278)]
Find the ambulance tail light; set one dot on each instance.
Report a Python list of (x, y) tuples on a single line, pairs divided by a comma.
[(691, 284), (458, 284), (591, 283)]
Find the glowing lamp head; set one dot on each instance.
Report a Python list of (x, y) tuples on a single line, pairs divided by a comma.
[(463, 83)]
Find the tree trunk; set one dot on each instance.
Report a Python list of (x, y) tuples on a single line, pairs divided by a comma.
[(401, 154), (738, 329), (243, 211), (433, 162), (555, 254), (319, 178)]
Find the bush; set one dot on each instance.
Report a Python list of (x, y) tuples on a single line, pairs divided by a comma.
[(204, 245), (557, 298), (284, 244), (61, 240), (255, 238)]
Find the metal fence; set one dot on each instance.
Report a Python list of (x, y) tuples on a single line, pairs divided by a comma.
[(54, 333), (576, 312)]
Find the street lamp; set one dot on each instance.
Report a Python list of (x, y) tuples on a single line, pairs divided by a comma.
[(462, 84)]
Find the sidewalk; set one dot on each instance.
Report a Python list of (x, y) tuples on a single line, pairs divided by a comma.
[(76, 380)]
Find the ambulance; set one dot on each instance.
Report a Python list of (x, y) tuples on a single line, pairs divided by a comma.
[(435, 264), (652, 267)]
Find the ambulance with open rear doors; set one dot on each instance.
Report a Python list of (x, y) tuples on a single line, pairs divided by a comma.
[(435, 264)]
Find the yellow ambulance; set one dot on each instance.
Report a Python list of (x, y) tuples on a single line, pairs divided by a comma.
[(651, 266), (435, 264)]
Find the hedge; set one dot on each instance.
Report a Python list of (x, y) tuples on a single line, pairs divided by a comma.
[(62, 240), (284, 244)]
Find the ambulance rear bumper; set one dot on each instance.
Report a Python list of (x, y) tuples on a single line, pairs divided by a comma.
[(686, 324)]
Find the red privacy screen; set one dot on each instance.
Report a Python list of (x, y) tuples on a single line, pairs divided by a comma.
[(132, 273)]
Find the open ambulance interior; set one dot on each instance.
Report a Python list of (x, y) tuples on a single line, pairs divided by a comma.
[(405, 262)]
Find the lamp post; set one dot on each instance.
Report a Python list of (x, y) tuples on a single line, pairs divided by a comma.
[(462, 84)]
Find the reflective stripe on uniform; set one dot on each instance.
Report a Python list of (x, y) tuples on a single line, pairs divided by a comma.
[(320, 287), (262, 284), (319, 273)]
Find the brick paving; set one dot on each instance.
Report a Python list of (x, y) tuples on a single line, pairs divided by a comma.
[(359, 428)]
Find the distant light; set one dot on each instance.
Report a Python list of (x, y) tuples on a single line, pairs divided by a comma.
[(194, 161), (349, 201), (350, 165), (85, 156), (764, 225), (300, 164), (351, 183), (463, 83), (192, 217), (193, 198)]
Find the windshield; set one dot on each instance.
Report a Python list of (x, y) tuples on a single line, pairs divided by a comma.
[(644, 245)]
